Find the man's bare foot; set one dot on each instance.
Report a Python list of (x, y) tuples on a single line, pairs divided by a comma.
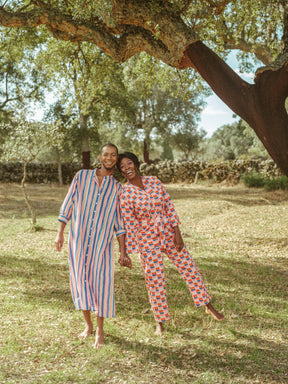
[(159, 329), (99, 339), (87, 332), (210, 310)]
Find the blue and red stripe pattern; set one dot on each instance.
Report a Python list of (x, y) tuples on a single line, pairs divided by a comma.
[(94, 213)]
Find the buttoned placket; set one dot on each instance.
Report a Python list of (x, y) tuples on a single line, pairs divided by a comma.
[(91, 235)]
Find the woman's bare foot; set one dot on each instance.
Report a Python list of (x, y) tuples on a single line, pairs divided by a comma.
[(159, 329), (210, 310), (99, 339), (87, 332)]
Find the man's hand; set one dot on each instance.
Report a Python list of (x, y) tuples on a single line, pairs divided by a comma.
[(125, 261), (178, 241), (59, 241)]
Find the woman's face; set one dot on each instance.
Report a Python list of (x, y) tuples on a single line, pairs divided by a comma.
[(128, 168)]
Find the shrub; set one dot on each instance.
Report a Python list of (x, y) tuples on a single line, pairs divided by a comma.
[(276, 183), (254, 179), (258, 180)]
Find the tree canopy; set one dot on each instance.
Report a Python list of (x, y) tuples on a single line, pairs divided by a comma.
[(233, 141), (186, 34), (20, 79)]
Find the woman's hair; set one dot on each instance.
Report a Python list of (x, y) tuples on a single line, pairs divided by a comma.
[(128, 155)]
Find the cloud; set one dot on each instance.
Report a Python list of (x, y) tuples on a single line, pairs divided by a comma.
[(212, 111), (245, 75)]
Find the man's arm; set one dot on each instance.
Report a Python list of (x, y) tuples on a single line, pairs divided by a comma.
[(124, 259), (59, 241)]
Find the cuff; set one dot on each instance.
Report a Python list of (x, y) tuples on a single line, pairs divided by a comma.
[(120, 232), (63, 219)]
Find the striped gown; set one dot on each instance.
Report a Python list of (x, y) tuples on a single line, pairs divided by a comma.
[(95, 215)]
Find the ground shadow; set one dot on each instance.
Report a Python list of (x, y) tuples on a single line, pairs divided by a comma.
[(249, 355)]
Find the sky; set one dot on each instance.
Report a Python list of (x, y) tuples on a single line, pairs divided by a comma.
[(216, 113)]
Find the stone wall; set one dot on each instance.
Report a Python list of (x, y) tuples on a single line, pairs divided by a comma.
[(37, 172), (167, 171), (192, 171)]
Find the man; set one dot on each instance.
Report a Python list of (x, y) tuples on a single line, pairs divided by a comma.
[(92, 205)]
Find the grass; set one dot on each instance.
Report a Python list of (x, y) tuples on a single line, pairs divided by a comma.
[(238, 238)]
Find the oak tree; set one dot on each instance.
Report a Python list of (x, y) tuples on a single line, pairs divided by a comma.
[(186, 34)]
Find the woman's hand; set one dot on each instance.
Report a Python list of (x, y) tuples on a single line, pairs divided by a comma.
[(178, 241), (125, 261)]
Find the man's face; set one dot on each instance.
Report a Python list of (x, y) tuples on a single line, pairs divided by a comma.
[(108, 157)]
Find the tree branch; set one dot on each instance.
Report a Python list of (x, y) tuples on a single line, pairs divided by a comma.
[(221, 78), (262, 52), (218, 8), (185, 7), (133, 32)]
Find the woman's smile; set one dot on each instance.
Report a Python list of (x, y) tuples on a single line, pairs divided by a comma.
[(128, 168)]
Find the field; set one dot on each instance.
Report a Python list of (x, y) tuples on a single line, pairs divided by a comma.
[(238, 238)]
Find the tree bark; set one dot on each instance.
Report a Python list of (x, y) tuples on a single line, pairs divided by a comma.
[(26, 197), (60, 177), (146, 153), (86, 161), (261, 104)]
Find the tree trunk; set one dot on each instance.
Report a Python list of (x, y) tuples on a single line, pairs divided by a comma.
[(60, 177), (26, 197), (86, 162), (261, 104), (146, 157)]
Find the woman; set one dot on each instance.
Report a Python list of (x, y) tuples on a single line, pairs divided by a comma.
[(152, 228)]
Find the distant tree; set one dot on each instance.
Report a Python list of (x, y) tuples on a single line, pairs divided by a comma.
[(21, 82), (187, 139), (56, 116), (167, 153), (233, 141), (158, 101), (87, 82), (25, 144)]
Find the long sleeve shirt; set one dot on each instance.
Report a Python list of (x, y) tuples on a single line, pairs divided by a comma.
[(146, 213)]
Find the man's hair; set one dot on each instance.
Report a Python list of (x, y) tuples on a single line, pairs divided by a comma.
[(130, 156), (109, 145)]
